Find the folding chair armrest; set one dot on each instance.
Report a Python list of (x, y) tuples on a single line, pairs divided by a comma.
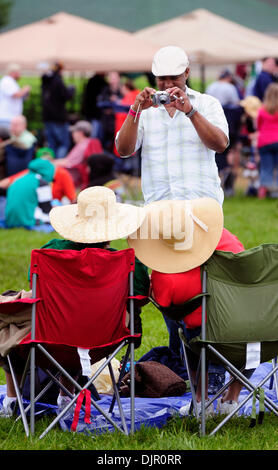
[(178, 312)]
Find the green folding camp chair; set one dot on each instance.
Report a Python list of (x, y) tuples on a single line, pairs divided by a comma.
[(239, 322)]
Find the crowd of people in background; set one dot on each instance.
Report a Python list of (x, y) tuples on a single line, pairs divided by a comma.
[(253, 127), (83, 153)]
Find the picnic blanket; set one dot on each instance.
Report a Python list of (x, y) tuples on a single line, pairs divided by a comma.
[(153, 412)]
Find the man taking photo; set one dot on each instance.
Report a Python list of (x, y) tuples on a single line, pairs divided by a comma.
[(178, 140)]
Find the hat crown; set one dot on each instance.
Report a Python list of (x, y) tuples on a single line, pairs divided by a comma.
[(169, 60), (97, 202), (194, 230), (175, 224)]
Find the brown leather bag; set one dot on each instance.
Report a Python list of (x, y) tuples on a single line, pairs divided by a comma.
[(153, 380)]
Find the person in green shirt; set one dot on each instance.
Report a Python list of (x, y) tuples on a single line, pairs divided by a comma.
[(33, 190)]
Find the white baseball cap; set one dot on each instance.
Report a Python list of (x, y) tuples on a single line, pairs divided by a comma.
[(169, 60)]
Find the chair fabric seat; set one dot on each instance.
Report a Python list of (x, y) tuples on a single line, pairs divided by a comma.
[(64, 315)]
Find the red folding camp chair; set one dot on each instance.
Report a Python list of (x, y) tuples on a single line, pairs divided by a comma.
[(80, 300)]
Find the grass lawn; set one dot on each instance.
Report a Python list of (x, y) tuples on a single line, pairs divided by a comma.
[(254, 222)]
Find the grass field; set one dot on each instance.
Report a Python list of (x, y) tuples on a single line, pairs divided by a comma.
[(254, 222)]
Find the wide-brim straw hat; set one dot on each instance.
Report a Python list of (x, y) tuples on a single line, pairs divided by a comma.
[(251, 105), (97, 217), (177, 236)]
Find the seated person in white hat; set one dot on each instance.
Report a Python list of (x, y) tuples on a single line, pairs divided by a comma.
[(178, 140), (81, 136), (93, 222), (175, 239)]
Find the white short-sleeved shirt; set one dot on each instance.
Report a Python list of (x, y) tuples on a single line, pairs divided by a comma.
[(175, 162), (9, 106)]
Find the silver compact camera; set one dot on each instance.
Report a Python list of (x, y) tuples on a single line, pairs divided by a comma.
[(161, 97)]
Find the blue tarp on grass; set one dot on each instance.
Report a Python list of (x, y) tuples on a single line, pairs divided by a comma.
[(153, 412)]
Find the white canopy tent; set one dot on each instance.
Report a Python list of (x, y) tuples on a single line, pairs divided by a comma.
[(210, 39), (81, 45)]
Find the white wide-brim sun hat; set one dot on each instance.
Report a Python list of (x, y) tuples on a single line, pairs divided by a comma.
[(97, 217), (177, 236)]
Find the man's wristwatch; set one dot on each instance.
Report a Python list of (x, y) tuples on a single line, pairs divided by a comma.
[(193, 110)]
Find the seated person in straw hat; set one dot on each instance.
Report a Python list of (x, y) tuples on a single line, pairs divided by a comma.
[(175, 239), (93, 222)]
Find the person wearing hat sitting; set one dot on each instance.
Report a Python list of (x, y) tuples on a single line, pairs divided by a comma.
[(93, 222), (29, 198), (174, 240), (81, 135), (63, 188), (178, 140)]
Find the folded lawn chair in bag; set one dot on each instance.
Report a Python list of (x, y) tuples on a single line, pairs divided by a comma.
[(239, 321), (78, 317)]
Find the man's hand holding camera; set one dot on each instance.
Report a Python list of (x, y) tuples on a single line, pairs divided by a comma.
[(179, 100), (143, 99), (171, 98)]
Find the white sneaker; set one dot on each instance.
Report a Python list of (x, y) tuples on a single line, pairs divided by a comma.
[(209, 411), (226, 407), (7, 407)]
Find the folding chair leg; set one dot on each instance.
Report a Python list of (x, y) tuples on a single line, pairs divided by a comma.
[(32, 389), (117, 395), (132, 393), (122, 371), (203, 391), (42, 392), (132, 367), (26, 369), (274, 378), (189, 373), (79, 388), (19, 398), (248, 385), (32, 357), (203, 357), (246, 382), (132, 389)]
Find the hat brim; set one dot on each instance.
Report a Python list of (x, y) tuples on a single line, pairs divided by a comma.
[(66, 221), (165, 71), (157, 255), (252, 111)]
